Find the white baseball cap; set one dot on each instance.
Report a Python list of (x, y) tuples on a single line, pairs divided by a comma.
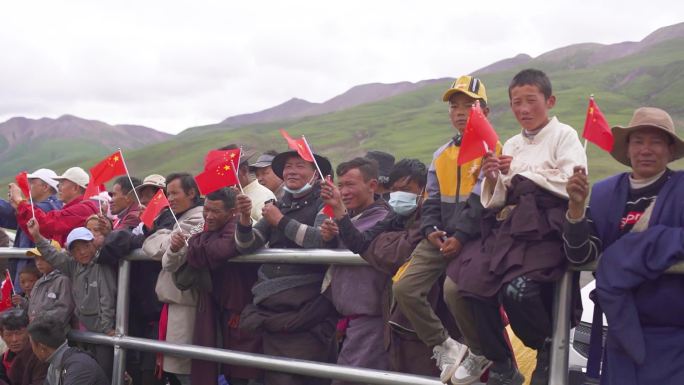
[(76, 175), (46, 175), (78, 234)]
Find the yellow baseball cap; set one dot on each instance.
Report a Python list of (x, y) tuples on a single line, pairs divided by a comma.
[(35, 252), (468, 85)]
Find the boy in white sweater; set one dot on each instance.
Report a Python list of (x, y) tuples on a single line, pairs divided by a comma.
[(521, 255)]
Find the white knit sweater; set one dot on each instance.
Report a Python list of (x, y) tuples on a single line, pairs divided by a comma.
[(547, 159)]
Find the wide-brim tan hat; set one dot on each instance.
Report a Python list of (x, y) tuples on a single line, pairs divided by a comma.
[(645, 117)]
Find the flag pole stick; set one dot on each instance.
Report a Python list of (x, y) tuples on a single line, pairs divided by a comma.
[(586, 143), (235, 171), (33, 211), (7, 274), (314, 158), (176, 219), (129, 178), (99, 202)]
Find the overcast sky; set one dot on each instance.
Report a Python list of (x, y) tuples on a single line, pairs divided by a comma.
[(173, 64)]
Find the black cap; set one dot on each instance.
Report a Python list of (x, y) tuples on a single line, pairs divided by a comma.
[(385, 164)]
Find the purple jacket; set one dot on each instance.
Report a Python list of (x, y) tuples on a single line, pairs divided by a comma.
[(357, 290)]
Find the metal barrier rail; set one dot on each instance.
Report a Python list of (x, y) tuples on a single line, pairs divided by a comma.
[(559, 346), (261, 361)]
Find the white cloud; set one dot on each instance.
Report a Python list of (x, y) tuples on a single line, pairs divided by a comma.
[(175, 64)]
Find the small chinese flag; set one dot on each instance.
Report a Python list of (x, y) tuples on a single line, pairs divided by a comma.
[(156, 205), (596, 128), (327, 209), (222, 156), (7, 290), (298, 145), (105, 171), (478, 137), (220, 170), (23, 183)]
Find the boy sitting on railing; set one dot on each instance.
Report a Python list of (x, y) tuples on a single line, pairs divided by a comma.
[(94, 285)]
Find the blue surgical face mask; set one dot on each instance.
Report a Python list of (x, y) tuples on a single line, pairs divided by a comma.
[(300, 191), (403, 203)]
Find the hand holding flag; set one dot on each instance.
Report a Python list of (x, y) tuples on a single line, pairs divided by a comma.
[(23, 183), (596, 128), (479, 136)]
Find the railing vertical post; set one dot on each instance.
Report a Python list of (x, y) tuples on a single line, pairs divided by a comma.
[(560, 347), (121, 327)]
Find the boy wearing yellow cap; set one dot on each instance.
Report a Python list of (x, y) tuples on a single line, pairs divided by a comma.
[(450, 218), (51, 294)]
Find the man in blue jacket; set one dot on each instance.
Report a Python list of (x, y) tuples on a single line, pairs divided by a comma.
[(635, 222), (44, 194)]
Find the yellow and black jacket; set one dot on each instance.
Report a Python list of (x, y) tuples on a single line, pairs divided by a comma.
[(453, 201)]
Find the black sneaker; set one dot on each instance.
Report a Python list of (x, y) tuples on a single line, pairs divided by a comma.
[(511, 377), (540, 376)]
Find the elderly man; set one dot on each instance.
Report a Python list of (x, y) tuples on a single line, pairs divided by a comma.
[(56, 224), (44, 193), (231, 284), (635, 221), (296, 320), (265, 175)]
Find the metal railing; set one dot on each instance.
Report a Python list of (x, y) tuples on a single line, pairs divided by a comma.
[(122, 342)]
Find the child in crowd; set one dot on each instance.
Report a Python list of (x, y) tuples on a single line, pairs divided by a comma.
[(27, 279), (94, 285), (51, 294)]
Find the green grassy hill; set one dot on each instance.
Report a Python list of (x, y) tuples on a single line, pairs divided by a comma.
[(414, 124)]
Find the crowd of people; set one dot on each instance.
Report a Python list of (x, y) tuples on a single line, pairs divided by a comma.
[(455, 253)]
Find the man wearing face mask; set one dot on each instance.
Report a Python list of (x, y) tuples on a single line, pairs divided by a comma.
[(387, 246), (294, 319)]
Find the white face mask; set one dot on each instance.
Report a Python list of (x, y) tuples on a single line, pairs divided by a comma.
[(403, 203), (308, 186)]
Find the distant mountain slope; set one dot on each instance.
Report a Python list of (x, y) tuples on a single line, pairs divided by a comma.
[(414, 124), (29, 143), (298, 108)]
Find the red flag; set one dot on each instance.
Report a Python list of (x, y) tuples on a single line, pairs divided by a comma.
[(596, 128), (157, 203), (222, 156), (329, 211), (105, 171), (23, 183), (478, 137), (220, 170), (298, 145), (7, 290)]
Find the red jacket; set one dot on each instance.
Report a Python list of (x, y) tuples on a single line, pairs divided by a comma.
[(57, 224)]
